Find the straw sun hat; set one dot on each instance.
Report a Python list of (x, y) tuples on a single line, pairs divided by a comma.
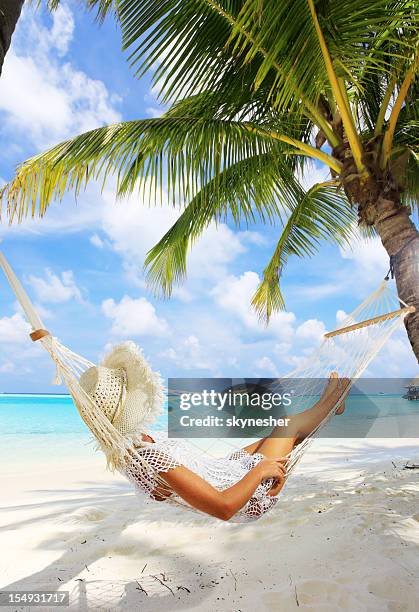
[(125, 388)]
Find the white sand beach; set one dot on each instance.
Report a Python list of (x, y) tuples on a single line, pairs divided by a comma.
[(344, 536)]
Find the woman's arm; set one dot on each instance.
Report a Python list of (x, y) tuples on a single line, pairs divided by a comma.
[(222, 504)]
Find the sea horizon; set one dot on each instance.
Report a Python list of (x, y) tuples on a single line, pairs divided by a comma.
[(48, 413)]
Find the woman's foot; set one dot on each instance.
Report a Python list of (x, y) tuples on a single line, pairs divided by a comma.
[(337, 386), (341, 408), (333, 384)]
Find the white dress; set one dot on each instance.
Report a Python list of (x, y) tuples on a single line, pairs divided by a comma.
[(166, 453)]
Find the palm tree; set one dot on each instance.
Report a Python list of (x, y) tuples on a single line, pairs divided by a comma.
[(258, 90), (9, 14)]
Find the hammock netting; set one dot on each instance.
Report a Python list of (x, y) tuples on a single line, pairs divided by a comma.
[(348, 350)]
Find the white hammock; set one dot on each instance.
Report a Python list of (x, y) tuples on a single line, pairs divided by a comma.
[(348, 350)]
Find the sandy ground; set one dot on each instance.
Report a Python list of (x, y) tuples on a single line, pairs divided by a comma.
[(344, 537)]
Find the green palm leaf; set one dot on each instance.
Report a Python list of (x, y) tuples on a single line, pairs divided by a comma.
[(183, 152), (205, 44), (102, 7), (258, 86), (261, 187), (321, 214)]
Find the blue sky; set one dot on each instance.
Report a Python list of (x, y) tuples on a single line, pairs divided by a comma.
[(82, 264)]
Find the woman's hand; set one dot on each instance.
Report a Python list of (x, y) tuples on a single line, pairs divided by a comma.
[(272, 468)]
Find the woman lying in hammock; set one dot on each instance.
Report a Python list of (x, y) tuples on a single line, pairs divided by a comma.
[(242, 486)]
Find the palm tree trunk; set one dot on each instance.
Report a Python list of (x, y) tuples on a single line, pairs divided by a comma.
[(9, 15), (400, 238)]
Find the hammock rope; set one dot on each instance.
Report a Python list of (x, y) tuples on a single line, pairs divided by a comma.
[(347, 350)]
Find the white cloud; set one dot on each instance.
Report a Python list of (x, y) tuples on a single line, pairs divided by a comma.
[(289, 356), (154, 111), (312, 329), (61, 33), (134, 317), (314, 174), (42, 97), (320, 291), (218, 247), (97, 241), (55, 289), (154, 108), (204, 340), (359, 269), (343, 318), (370, 261), (17, 352), (133, 228), (251, 237), (182, 294), (403, 362), (68, 216), (282, 348), (43, 312), (189, 354), (235, 293), (14, 329), (265, 366)]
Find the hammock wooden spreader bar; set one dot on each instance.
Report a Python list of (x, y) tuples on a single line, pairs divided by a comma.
[(384, 317)]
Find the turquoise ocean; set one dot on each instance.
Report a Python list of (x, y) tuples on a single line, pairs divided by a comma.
[(48, 427)]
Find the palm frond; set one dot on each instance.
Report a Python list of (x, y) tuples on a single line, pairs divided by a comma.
[(262, 189), (245, 106), (102, 7), (404, 163), (179, 41), (184, 153), (405, 171), (190, 49), (195, 45), (370, 36), (410, 195), (321, 214)]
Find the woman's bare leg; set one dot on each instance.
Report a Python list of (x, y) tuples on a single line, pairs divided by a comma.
[(307, 421), (280, 446), (281, 442), (301, 425)]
